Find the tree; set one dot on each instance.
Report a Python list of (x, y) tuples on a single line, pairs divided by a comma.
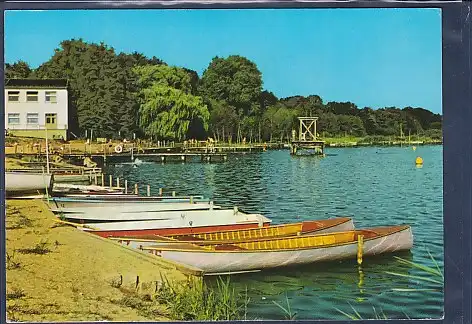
[(235, 80), (167, 112), (168, 109), (17, 70)]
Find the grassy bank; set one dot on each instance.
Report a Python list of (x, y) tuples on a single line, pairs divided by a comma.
[(380, 140), (59, 273)]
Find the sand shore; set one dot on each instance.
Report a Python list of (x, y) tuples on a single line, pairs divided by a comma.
[(59, 273)]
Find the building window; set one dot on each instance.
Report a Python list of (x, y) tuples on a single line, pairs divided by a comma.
[(13, 96), (32, 96), (51, 96), (13, 118), (51, 120), (32, 118)]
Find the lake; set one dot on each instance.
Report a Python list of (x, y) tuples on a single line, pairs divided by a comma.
[(374, 185)]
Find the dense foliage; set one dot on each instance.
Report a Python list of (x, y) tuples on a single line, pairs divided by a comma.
[(117, 95)]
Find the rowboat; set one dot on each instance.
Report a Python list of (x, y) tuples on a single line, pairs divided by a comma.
[(77, 202), (130, 212), (188, 222), (233, 236), (119, 197), (87, 189), (27, 182), (287, 251)]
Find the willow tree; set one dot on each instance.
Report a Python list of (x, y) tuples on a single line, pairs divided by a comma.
[(168, 110)]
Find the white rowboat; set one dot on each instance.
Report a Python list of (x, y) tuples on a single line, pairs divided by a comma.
[(26, 182), (280, 252)]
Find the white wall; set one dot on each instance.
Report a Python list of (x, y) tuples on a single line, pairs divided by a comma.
[(41, 107)]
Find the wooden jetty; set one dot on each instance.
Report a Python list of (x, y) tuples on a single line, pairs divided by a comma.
[(307, 143)]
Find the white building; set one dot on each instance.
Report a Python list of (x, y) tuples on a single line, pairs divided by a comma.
[(36, 107)]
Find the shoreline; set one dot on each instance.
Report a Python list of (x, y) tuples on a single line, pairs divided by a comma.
[(56, 272)]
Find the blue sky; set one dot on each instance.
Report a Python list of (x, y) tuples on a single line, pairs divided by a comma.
[(372, 57)]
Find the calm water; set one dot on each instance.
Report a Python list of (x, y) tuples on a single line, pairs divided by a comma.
[(375, 186)]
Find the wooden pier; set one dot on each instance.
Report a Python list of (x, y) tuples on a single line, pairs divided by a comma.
[(155, 157)]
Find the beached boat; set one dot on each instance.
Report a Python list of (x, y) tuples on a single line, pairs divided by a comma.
[(74, 202), (233, 236), (128, 212), (59, 188), (188, 222), (119, 197), (287, 251), (27, 182)]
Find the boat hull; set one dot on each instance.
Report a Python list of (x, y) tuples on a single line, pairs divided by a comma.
[(189, 222), (128, 212), (329, 226), (25, 182), (238, 260)]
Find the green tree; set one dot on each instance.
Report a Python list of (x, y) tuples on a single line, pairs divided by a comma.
[(18, 70), (168, 110), (235, 80)]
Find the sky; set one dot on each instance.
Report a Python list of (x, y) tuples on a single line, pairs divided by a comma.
[(373, 57)]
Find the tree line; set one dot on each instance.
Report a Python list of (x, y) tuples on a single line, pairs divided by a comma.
[(121, 94)]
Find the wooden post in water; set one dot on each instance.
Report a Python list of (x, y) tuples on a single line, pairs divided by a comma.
[(136, 190), (173, 193), (126, 187), (111, 181), (360, 248), (148, 190), (160, 191)]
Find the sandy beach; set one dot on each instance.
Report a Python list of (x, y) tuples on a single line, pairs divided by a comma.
[(56, 272)]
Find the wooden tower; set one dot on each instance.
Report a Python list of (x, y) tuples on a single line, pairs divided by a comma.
[(307, 143)]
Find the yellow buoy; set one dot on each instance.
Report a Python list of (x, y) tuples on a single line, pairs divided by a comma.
[(419, 161), (414, 148)]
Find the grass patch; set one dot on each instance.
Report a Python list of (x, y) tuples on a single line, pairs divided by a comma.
[(198, 301), (22, 222), (16, 293), (187, 301), (289, 315), (12, 263), (40, 248)]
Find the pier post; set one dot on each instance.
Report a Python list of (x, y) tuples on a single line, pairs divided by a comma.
[(111, 181), (103, 180), (126, 187), (173, 193), (117, 182), (136, 190), (96, 180), (148, 190), (160, 191)]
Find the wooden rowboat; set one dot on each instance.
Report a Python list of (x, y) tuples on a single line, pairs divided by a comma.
[(94, 201), (27, 182), (129, 212), (287, 251), (189, 222), (233, 236), (121, 198)]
